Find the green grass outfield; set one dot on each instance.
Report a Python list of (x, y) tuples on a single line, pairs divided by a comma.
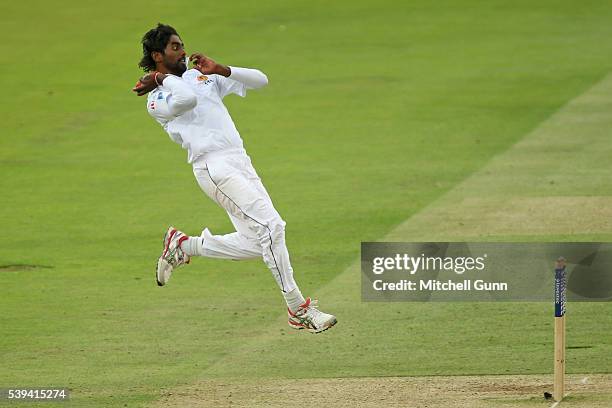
[(378, 119)]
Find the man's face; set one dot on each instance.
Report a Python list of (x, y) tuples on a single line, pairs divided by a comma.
[(173, 58)]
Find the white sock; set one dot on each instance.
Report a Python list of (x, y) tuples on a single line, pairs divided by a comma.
[(294, 299), (193, 246)]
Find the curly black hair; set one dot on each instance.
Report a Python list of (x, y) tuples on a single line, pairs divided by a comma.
[(155, 39)]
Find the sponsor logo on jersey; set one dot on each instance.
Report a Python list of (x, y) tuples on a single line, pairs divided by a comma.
[(160, 95)]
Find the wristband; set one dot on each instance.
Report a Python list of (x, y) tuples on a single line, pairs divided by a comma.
[(155, 78)]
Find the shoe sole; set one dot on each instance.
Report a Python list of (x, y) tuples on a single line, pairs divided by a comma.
[(161, 265), (160, 262), (314, 331)]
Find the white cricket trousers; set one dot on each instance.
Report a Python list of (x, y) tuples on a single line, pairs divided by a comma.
[(229, 179)]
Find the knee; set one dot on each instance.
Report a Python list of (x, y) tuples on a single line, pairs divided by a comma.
[(272, 231), (277, 226)]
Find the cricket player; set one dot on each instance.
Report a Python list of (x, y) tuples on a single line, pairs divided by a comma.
[(188, 104)]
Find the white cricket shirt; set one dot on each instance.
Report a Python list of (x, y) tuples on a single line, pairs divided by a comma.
[(191, 110)]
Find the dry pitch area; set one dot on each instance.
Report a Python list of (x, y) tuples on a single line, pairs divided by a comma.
[(591, 391)]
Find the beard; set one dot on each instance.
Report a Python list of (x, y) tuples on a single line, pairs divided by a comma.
[(176, 68)]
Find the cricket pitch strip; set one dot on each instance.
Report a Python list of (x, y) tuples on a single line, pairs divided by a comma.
[(509, 391)]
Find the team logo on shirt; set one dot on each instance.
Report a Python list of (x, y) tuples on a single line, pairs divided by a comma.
[(203, 79), (152, 105)]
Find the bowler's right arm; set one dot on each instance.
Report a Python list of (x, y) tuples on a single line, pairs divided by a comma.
[(169, 100)]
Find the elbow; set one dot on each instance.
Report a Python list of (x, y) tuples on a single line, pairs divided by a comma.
[(260, 82), (190, 102), (185, 104), (264, 80)]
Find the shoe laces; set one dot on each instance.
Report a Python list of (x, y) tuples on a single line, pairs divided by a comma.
[(177, 257), (311, 310)]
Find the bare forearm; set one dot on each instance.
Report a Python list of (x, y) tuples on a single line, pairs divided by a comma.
[(223, 70)]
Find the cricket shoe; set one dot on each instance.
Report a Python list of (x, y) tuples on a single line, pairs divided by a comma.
[(172, 255), (308, 317)]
